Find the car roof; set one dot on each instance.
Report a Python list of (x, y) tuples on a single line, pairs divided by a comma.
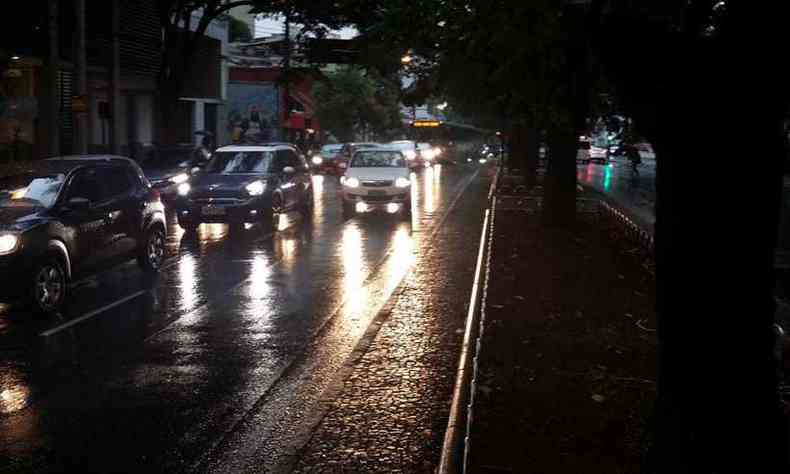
[(259, 147), (381, 148)]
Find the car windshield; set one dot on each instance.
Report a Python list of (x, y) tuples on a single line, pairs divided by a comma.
[(378, 159), (30, 190), (240, 162), (403, 145), (331, 149)]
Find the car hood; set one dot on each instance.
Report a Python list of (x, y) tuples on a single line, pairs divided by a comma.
[(19, 218), (160, 174), (224, 184), (380, 174)]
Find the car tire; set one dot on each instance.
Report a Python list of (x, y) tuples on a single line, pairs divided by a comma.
[(49, 285), (152, 252)]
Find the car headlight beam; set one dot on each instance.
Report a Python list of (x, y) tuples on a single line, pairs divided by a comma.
[(402, 182), (255, 188), (317, 160), (351, 182), (179, 178), (8, 243), (410, 154), (183, 189)]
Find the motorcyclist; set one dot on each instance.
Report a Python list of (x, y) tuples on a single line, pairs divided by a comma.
[(202, 153)]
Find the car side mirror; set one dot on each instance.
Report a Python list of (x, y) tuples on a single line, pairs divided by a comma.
[(78, 204), (289, 170)]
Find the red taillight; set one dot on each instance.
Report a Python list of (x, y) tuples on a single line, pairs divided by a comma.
[(155, 195)]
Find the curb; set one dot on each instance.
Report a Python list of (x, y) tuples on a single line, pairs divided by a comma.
[(453, 454), (635, 227)]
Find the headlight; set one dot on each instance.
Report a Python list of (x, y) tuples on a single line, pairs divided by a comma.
[(427, 154), (317, 160), (255, 188), (179, 178), (437, 151), (8, 243), (351, 182), (183, 189), (402, 182), (410, 154)]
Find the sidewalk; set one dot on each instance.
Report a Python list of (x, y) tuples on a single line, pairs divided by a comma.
[(566, 369)]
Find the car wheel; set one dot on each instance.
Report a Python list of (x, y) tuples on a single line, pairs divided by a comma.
[(49, 288), (152, 253), (348, 210)]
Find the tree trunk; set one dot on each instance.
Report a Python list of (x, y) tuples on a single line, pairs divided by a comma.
[(559, 204), (718, 408)]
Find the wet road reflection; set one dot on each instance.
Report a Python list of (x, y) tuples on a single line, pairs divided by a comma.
[(194, 350)]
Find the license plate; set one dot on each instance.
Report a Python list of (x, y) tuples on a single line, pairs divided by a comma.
[(377, 192), (213, 211)]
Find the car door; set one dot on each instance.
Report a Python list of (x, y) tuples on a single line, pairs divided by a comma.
[(123, 207), (87, 224)]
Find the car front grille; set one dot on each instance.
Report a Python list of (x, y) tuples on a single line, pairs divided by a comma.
[(218, 201), (376, 184)]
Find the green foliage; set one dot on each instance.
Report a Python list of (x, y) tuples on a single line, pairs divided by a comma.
[(238, 31), (350, 102)]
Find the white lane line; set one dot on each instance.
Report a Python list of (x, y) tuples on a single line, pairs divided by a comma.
[(93, 313)]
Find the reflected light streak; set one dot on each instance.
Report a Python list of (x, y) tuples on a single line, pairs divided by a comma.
[(188, 282), (413, 192), (353, 269), (318, 193), (437, 181), (402, 256), (211, 231), (428, 203)]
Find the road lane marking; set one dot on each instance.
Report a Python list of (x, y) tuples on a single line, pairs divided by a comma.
[(91, 314)]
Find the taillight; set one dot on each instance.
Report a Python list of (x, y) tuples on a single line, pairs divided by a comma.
[(155, 195)]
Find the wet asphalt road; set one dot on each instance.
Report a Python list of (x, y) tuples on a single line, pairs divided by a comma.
[(168, 374), (634, 192)]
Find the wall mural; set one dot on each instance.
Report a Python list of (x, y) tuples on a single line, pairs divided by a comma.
[(253, 112)]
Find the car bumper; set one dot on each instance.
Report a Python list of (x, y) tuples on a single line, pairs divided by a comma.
[(377, 200), (219, 213)]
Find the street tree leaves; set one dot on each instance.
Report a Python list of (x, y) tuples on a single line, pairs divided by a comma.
[(352, 103)]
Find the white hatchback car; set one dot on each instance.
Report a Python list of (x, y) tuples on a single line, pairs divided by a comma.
[(377, 179)]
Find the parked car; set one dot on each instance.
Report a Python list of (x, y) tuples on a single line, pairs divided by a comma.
[(327, 159), (583, 150), (377, 179), (66, 217), (246, 184)]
